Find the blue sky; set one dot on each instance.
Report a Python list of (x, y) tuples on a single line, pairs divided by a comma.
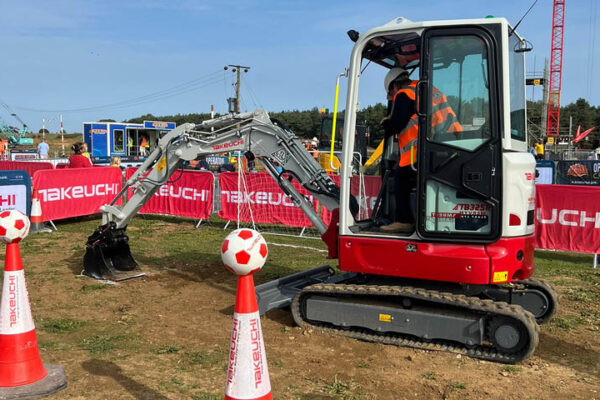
[(66, 54)]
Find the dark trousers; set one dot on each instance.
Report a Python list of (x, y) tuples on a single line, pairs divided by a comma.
[(405, 179)]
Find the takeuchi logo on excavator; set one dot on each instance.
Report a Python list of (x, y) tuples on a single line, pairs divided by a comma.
[(229, 145)]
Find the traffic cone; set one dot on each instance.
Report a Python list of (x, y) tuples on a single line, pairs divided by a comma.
[(22, 373), (247, 373), (37, 224)]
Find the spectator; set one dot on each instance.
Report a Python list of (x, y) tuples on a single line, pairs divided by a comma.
[(42, 149), (115, 162), (77, 159), (539, 150), (85, 152), (144, 145)]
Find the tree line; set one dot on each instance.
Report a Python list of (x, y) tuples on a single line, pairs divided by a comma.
[(307, 123)]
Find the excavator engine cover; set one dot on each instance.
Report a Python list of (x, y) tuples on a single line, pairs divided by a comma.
[(108, 256)]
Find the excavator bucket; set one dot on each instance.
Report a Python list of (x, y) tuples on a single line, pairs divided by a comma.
[(108, 256)]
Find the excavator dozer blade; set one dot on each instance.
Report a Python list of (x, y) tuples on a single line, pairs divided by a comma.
[(108, 257)]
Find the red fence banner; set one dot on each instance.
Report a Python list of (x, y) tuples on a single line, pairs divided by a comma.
[(568, 218), (190, 195), (366, 197), (260, 200), (30, 167), (72, 192)]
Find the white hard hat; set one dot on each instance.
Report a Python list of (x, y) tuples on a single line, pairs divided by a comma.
[(314, 139), (392, 75)]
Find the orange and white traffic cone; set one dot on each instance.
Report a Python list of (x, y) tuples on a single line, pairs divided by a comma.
[(37, 224), (22, 374), (247, 373)]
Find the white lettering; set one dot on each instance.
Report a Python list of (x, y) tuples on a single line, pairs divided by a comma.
[(562, 220), (78, 192), (546, 221), (583, 219), (563, 217)]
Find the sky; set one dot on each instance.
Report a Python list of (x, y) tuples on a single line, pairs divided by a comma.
[(166, 57)]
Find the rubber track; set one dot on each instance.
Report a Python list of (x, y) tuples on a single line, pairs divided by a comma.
[(540, 284), (473, 304)]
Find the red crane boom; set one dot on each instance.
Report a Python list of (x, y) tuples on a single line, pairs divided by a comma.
[(556, 52)]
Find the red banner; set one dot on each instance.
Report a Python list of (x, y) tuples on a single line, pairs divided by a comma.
[(30, 167), (568, 218), (73, 192), (260, 200), (365, 193), (190, 195)]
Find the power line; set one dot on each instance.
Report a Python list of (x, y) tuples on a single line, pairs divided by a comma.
[(176, 90)]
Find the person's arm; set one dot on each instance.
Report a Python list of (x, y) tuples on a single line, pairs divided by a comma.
[(402, 110)]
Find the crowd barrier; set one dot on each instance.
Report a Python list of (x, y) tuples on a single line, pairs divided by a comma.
[(567, 216), (30, 167), (188, 194), (258, 198), (74, 192)]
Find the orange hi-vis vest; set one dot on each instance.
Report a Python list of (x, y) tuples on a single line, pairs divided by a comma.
[(443, 119)]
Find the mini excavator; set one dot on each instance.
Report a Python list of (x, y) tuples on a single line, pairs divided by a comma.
[(461, 282)]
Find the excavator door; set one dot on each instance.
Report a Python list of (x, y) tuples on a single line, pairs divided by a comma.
[(459, 187)]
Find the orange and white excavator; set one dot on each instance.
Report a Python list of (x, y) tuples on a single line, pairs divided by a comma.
[(462, 280)]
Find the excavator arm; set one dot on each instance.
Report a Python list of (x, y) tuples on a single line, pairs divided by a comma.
[(253, 133)]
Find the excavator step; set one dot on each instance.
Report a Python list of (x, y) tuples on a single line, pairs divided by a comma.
[(280, 292)]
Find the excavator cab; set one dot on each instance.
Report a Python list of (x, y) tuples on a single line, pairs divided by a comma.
[(473, 172)]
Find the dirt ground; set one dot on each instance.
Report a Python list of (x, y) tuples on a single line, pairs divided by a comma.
[(165, 336)]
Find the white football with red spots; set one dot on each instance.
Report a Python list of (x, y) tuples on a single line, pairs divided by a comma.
[(14, 226), (244, 251)]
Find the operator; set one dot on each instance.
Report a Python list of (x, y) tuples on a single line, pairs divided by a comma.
[(404, 122)]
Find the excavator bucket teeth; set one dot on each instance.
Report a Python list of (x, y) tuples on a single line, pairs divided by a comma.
[(108, 256)]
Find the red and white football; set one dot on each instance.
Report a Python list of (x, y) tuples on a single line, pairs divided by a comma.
[(14, 226), (244, 251)]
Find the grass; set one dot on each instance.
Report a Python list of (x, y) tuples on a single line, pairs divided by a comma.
[(343, 390), (429, 375), (205, 358), (61, 325), (100, 344), (93, 287), (168, 349), (457, 385), (513, 369)]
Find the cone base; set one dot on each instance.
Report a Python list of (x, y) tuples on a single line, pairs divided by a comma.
[(52, 383), (267, 396)]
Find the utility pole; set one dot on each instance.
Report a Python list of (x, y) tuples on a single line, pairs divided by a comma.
[(237, 69)]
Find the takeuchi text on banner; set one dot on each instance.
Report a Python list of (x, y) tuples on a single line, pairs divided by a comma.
[(188, 194), (365, 192), (260, 200), (73, 192), (568, 218)]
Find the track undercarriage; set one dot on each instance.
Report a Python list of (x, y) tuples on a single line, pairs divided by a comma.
[(476, 321)]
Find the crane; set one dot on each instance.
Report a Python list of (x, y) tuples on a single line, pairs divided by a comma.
[(556, 51), (14, 136)]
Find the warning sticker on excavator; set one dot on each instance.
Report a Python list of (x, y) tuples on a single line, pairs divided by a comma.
[(162, 164), (385, 318), (501, 276)]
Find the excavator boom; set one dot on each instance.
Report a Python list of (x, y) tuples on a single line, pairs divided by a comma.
[(107, 251)]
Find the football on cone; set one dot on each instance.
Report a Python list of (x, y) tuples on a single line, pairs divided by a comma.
[(14, 226), (244, 251)]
